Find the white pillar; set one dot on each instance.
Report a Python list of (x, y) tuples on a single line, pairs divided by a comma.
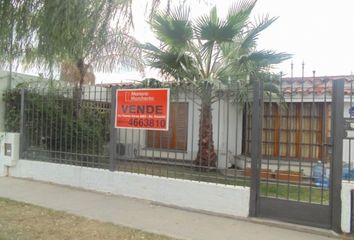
[(2, 160)]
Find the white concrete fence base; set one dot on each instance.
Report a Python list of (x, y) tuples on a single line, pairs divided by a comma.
[(347, 187), (229, 200), (210, 197)]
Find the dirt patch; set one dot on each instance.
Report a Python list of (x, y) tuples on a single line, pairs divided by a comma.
[(22, 221)]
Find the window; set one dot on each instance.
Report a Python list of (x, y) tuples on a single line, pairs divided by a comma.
[(176, 137), (292, 130)]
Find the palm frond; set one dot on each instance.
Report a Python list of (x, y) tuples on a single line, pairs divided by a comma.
[(239, 13), (249, 40), (245, 6), (170, 63), (173, 29), (265, 58), (213, 29)]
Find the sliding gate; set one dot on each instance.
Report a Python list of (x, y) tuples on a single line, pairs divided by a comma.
[(296, 174)]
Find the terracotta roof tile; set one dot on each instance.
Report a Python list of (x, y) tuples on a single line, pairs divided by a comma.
[(315, 85)]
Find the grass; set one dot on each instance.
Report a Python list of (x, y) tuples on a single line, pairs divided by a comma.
[(22, 221), (293, 191)]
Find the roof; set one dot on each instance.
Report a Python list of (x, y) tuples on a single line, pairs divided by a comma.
[(292, 85), (121, 84), (316, 85)]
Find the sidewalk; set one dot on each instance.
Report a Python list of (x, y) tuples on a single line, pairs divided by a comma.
[(142, 214)]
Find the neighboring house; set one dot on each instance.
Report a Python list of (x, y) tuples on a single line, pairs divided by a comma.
[(16, 79)]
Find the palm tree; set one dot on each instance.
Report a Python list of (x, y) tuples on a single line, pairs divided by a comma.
[(210, 52)]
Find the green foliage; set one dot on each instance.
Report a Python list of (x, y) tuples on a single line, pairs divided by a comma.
[(52, 122), (70, 31), (17, 23), (12, 101), (83, 33)]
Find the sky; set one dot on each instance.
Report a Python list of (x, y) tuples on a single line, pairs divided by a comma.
[(319, 33)]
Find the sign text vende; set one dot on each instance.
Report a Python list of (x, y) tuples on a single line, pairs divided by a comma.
[(142, 109)]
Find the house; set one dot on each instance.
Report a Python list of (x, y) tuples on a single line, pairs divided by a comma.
[(296, 128), (16, 79), (180, 143)]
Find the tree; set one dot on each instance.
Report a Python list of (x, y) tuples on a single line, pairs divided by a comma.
[(207, 53), (16, 26), (86, 33), (61, 33)]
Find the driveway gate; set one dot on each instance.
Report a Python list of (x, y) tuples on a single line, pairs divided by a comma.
[(301, 133)]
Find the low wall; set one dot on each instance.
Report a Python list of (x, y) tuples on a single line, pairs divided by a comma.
[(215, 198), (347, 187)]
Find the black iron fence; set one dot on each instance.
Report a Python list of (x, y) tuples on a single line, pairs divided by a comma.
[(75, 127), (348, 143), (296, 141), (72, 126), (282, 137), (202, 144), (67, 126)]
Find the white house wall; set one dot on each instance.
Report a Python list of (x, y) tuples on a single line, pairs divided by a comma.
[(227, 124), (96, 93)]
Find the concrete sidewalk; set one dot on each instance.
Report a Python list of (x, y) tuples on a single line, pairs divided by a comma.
[(142, 214)]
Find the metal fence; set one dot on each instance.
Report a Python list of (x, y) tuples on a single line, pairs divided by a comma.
[(74, 127), (298, 138), (283, 137), (348, 143), (296, 141), (67, 126), (176, 153)]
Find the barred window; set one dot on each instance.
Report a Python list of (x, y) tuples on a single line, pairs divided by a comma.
[(292, 130)]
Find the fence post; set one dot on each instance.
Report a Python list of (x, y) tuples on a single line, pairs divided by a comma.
[(22, 124), (337, 158), (256, 146), (113, 133)]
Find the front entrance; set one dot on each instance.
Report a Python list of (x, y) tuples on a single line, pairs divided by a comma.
[(297, 169)]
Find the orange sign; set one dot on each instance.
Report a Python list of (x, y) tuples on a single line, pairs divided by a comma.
[(142, 109)]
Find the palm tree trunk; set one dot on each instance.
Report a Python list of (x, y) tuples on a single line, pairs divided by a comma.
[(82, 70), (78, 88), (206, 156)]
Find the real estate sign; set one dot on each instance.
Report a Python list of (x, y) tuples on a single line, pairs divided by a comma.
[(142, 109)]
